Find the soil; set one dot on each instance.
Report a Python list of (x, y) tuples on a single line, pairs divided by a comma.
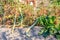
[(20, 34)]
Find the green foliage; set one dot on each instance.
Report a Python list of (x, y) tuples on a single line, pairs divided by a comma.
[(1, 10), (58, 37), (56, 2), (50, 28), (10, 1), (20, 18)]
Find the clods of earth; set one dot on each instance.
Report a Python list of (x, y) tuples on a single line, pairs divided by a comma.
[(20, 34)]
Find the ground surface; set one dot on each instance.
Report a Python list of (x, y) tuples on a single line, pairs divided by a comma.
[(19, 34)]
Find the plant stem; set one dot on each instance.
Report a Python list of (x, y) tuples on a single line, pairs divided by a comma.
[(35, 22), (14, 24)]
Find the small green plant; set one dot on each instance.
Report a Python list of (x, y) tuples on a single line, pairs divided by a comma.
[(49, 25)]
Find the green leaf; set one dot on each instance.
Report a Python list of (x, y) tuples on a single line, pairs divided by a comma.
[(58, 37)]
